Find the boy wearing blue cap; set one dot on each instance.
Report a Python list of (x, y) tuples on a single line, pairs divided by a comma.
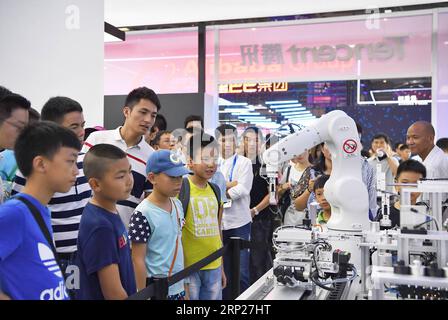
[(155, 228)]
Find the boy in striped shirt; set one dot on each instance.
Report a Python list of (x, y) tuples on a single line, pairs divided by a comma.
[(66, 208)]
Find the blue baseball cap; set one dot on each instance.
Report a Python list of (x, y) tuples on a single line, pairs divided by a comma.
[(165, 161)]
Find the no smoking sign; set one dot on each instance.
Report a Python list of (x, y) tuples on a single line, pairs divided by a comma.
[(350, 146)]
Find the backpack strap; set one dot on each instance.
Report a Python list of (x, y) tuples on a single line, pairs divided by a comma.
[(184, 195), (43, 228), (177, 240), (216, 191)]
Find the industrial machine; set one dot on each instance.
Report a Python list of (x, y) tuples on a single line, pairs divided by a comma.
[(352, 258)]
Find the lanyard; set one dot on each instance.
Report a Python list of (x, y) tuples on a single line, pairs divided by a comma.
[(233, 168), (177, 240)]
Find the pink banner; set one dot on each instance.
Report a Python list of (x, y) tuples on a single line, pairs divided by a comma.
[(167, 62)]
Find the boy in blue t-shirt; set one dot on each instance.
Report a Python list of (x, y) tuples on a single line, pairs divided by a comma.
[(104, 255), (29, 270), (155, 228)]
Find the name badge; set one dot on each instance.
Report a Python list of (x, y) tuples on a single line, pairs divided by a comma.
[(227, 204)]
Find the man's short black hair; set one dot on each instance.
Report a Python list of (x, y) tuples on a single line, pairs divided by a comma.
[(403, 147), (271, 139), (225, 129), (411, 166), (10, 103), (99, 158), (57, 107), (193, 117), (442, 143), (192, 130), (181, 133), (137, 94), (160, 123), (320, 182), (397, 145), (34, 115), (255, 130), (188, 131), (199, 141), (4, 92), (383, 136), (156, 140), (42, 138)]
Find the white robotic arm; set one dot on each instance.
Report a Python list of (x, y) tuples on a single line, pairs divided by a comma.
[(345, 190)]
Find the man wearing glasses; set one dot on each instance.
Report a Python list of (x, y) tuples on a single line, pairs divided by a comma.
[(14, 113)]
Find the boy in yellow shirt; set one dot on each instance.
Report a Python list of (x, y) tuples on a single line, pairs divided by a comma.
[(201, 234)]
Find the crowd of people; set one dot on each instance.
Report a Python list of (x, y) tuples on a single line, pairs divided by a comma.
[(91, 214)]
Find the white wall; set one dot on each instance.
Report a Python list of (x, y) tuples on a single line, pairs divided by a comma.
[(54, 47)]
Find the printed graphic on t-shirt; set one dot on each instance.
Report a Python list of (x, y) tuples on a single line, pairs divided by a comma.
[(122, 241), (205, 212), (47, 258)]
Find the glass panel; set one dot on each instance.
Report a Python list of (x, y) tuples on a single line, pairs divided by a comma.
[(386, 48)]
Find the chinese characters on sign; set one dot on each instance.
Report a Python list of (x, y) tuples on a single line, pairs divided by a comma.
[(253, 87), (271, 53)]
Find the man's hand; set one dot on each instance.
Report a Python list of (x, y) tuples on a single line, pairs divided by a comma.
[(252, 213), (223, 278), (388, 151), (231, 184)]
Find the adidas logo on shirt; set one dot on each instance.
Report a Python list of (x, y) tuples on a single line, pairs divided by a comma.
[(58, 293), (48, 259)]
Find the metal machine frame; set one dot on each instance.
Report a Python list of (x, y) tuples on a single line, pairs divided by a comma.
[(348, 228)]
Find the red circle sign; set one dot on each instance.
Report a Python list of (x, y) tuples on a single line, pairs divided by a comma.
[(350, 146)]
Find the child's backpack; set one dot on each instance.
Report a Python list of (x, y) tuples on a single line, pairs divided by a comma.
[(184, 194)]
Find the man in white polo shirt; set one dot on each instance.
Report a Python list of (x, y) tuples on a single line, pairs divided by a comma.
[(420, 139), (140, 112), (236, 218)]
